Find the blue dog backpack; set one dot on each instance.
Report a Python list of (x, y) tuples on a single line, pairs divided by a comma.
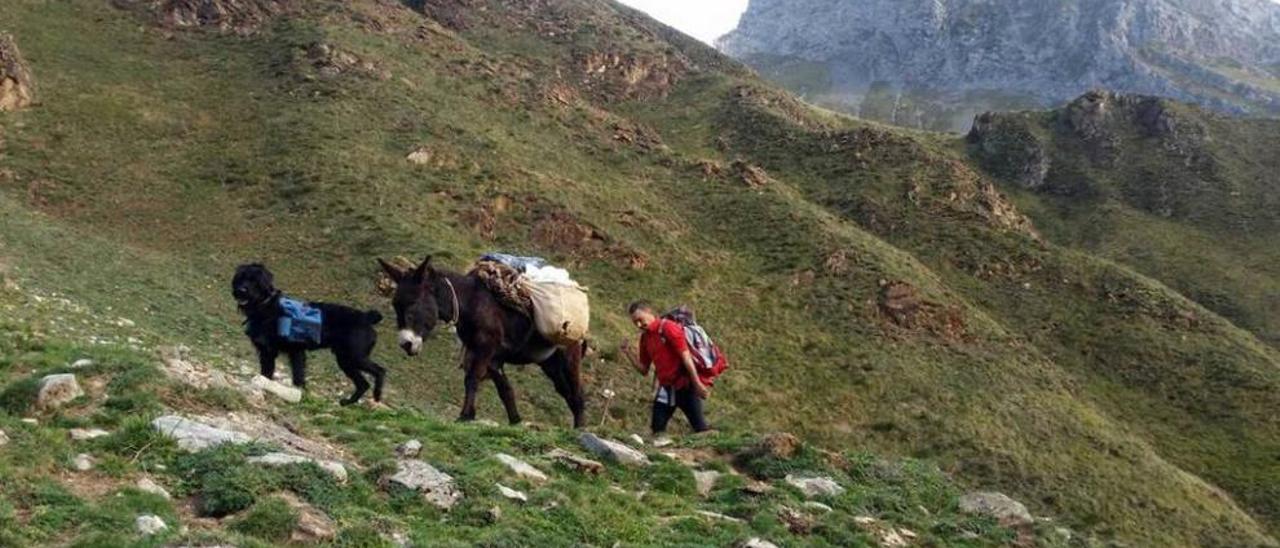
[(299, 322)]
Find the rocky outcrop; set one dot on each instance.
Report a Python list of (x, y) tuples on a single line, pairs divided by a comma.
[(936, 63), (57, 390), (17, 88), (615, 451), (435, 486), (818, 486), (238, 16), (1008, 512)]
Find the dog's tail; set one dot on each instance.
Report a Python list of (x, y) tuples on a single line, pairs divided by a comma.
[(373, 316)]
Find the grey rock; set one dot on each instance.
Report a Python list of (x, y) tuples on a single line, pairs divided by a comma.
[(815, 486), (313, 525), (4, 438), (409, 449), (718, 516), (1009, 512), (147, 485), (705, 480), (585, 465), (83, 434), (512, 493), (148, 524), (82, 462), (937, 63), (436, 487), (268, 386), (57, 390), (521, 468), (194, 436), (612, 450), (82, 363), (336, 469), (756, 542), (814, 505)]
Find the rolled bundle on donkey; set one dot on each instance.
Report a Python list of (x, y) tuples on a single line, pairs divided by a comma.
[(508, 310), (559, 306)]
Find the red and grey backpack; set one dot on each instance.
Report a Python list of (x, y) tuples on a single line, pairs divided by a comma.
[(707, 356)]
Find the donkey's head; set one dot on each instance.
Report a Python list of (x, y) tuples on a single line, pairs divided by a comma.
[(415, 302)]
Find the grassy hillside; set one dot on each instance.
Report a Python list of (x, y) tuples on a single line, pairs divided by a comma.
[(159, 158)]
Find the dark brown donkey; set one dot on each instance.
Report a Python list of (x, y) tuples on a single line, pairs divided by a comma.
[(492, 335)]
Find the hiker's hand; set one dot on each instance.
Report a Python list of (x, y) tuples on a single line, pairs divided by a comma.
[(701, 390)]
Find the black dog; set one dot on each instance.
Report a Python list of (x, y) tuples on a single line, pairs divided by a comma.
[(348, 332)]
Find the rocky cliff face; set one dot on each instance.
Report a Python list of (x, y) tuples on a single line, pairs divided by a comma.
[(935, 63)]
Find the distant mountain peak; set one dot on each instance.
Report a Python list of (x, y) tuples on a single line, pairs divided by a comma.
[(936, 63)]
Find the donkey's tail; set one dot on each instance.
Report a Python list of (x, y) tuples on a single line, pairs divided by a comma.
[(373, 316)]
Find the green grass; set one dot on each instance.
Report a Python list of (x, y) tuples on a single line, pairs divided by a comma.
[(155, 164)]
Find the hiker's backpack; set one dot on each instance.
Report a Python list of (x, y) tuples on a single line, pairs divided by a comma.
[(299, 322), (707, 356)]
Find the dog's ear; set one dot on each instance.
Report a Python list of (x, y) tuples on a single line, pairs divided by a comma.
[(392, 270), (424, 270)]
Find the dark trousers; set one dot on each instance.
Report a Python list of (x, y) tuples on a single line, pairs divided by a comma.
[(686, 400)]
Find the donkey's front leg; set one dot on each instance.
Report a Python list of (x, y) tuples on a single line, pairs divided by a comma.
[(476, 365)]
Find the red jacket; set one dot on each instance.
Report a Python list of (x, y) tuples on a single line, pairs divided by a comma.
[(662, 345)]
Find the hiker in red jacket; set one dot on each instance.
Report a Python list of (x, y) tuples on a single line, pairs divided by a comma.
[(662, 345)]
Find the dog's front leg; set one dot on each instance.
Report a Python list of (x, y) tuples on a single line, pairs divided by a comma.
[(298, 368), (267, 361)]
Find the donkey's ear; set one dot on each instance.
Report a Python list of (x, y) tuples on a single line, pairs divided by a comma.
[(424, 269), (394, 271)]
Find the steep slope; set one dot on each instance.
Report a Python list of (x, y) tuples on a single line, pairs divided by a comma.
[(924, 63), (870, 284), (1181, 194)]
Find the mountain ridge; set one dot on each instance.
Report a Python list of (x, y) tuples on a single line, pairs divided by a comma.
[(935, 64)]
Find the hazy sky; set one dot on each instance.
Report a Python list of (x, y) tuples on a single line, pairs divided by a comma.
[(705, 20)]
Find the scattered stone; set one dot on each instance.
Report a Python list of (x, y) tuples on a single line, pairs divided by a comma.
[(583, 465), (148, 524), (799, 523), (636, 439), (81, 434), (82, 363), (82, 462), (757, 487), (719, 516), (815, 505), (16, 84), (180, 367), (521, 468), (57, 390), (313, 525), (420, 156), (908, 534), (778, 445), (194, 436), (612, 450), (815, 486), (865, 520), (409, 449), (512, 493), (286, 393), (662, 441), (336, 469), (29, 420), (1008, 512), (436, 487), (4, 438), (892, 538), (756, 542), (705, 480), (147, 485)]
